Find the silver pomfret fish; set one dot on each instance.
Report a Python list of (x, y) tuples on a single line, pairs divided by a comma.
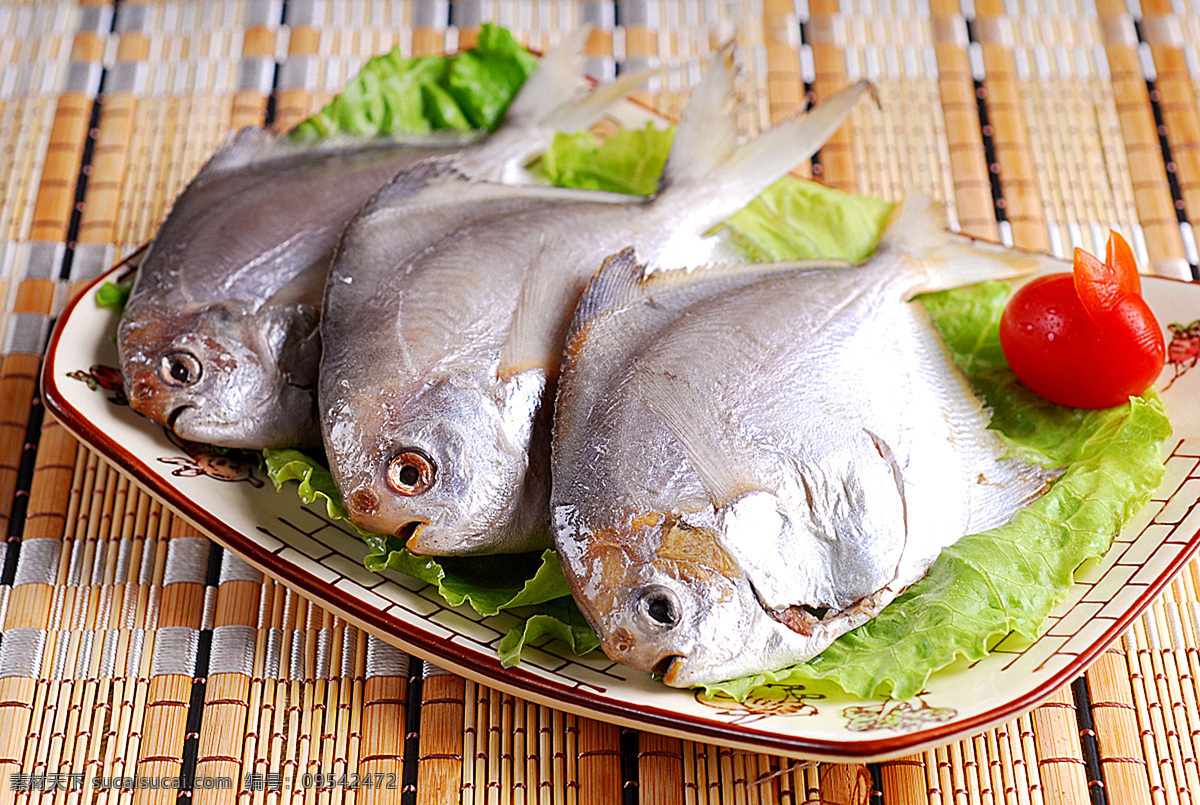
[(220, 337), (751, 462), (439, 432)]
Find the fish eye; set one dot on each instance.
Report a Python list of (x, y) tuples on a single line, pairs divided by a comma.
[(179, 369), (660, 605), (411, 472)]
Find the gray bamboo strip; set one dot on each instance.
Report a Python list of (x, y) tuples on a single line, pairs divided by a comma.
[(56, 191), (264, 709), (25, 124), (299, 95), (180, 618), (48, 557), (35, 296), (227, 714), (111, 152), (258, 49)]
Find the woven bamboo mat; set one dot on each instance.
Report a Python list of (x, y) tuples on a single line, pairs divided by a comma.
[(132, 646)]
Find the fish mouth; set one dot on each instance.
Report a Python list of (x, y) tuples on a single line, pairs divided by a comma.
[(669, 668), (173, 417), (407, 534)]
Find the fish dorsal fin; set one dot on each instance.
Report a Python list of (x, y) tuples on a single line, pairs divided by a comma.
[(252, 145), (439, 181), (243, 147), (918, 230), (616, 281), (622, 280)]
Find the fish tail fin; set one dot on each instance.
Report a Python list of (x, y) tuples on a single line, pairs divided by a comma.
[(706, 155), (556, 96), (555, 81), (951, 260)]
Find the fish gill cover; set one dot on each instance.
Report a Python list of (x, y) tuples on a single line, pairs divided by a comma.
[(986, 585)]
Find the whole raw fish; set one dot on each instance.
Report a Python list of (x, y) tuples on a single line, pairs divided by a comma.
[(750, 462), (220, 336), (435, 381)]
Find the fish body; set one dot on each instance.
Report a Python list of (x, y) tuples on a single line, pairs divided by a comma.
[(750, 462), (454, 391), (220, 337)]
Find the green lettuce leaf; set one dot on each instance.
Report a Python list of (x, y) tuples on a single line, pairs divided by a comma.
[(798, 220), (486, 584), (630, 161), (560, 619), (484, 79), (392, 94), (112, 296), (314, 479)]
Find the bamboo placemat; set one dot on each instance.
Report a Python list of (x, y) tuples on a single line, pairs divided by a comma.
[(132, 646)]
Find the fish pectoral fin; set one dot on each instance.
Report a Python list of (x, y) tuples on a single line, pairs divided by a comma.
[(533, 342), (727, 464)]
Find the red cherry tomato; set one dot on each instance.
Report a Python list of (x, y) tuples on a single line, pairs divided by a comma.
[(1085, 339)]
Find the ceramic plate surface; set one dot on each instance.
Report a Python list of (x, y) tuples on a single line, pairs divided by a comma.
[(228, 500)]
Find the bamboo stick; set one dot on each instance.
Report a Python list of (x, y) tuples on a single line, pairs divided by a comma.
[(599, 762), (828, 44), (903, 779), (1156, 209), (968, 164), (1022, 199), (385, 694), (1177, 100), (443, 742), (660, 768)]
